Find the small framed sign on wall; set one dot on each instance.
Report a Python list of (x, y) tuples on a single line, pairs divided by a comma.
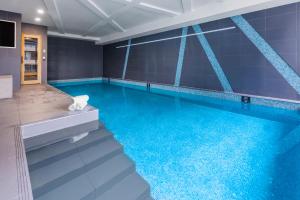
[(7, 34)]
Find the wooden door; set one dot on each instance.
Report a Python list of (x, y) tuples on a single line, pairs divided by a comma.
[(31, 67)]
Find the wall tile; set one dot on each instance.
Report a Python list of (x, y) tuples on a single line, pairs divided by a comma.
[(255, 15), (290, 8), (287, 22), (197, 70), (247, 70), (158, 59), (73, 59)]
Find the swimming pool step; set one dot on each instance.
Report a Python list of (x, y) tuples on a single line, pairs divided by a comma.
[(149, 198), (64, 148), (49, 177), (105, 176), (99, 180), (133, 187), (60, 135), (93, 168)]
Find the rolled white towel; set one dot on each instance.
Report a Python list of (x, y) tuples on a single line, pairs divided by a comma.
[(79, 102)]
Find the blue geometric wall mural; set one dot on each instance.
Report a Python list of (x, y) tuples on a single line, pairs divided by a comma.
[(272, 56), (181, 56), (114, 58), (240, 60), (212, 58), (197, 70), (126, 60)]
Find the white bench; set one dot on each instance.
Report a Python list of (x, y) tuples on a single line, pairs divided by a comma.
[(6, 86)]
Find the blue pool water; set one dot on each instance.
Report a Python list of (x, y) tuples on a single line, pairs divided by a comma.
[(202, 149)]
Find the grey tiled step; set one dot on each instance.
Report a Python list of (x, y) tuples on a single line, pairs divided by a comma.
[(52, 176), (94, 182), (113, 170), (133, 187), (76, 189), (105, 176), (61, 149), (40, 141), (93, 168), (149, 198)]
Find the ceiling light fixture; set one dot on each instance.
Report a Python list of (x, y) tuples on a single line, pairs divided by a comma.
[(37, 19), (40, 11)]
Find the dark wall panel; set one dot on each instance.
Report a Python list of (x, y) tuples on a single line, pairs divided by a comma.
[(197, 71), (154, 62), (10, 58), (113, 60), (73, 59), (246, 68)]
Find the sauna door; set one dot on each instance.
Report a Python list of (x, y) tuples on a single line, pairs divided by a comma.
[(31, 68)]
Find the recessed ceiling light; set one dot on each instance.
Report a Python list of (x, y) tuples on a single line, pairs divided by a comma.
[(37, 19), (40, 11)]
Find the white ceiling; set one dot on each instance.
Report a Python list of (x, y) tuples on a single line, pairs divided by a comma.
[(108, 21)]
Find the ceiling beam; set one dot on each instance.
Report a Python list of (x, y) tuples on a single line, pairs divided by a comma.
[(112, 16), (206, 13), (93, 28), (53, 11), (149, 7), (158, 9), (121, 10), (125, 8), (74, 36), (92, 6), (187, 5)]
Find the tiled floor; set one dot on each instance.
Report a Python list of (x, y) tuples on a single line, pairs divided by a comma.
[(30, 104), (33, 103)]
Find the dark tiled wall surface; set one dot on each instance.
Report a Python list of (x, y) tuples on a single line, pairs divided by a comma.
[(73, 59), (246, 68), (152, 62), (199, 73), (115, 58), (10, 58)]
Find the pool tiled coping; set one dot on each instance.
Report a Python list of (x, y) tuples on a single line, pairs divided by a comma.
[(34, 110), (182, 91)]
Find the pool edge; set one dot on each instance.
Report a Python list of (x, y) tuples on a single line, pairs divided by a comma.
[(179, 91)]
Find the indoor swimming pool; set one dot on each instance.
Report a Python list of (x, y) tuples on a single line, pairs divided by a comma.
[(202, 148)]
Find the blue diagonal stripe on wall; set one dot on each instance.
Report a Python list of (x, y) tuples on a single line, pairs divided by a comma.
[(212, 59), (271, 55), (181, 56), (126, 59)]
